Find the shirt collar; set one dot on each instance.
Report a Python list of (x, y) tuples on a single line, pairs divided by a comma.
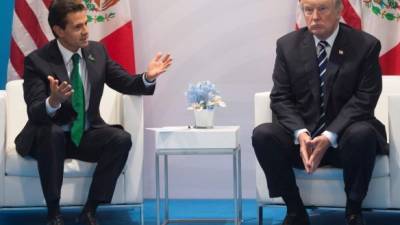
[(330, 39), (67, 54)]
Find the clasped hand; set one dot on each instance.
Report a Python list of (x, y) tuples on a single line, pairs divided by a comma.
[(312, 150)]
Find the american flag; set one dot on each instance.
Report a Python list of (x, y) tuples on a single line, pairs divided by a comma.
[(109, 22), (379, 18)]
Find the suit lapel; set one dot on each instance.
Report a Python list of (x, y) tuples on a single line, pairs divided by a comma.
[(90, 66), (57, 63), (335, 62), (309, 53), (91, 71)]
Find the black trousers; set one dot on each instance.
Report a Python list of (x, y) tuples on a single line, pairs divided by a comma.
[(277, 155), (108, 146)]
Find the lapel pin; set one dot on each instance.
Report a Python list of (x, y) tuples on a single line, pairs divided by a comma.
[(341, 52), (91, 58)]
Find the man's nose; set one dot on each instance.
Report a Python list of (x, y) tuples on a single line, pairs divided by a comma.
[(315, 14), (85, 29)]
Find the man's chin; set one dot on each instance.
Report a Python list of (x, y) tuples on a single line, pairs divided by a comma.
[(84, 44), (318, 33)]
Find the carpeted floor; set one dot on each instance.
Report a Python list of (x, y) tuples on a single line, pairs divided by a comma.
[(123, 215)]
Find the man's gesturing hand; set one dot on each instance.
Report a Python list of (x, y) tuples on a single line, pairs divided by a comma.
[(58, 93), (158, 65)]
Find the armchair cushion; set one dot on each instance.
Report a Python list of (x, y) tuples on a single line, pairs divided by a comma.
[(329, 173), (27, 167)]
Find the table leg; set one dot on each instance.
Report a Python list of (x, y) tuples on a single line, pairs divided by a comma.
[(166, 197), (240, 182), (235, 186), (158, 188)]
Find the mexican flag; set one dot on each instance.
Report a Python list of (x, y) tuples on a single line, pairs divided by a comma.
[(109, 22), (379, 18)]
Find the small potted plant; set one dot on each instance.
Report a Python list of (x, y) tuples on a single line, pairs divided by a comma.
[(202, 99)]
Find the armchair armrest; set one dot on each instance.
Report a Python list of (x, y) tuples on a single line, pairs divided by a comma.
[(394, 144), (2, 143), (132, 121), (262, 111), (127, 110), (262, 114)]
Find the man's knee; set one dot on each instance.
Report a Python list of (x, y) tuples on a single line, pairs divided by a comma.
[(360, 136), (50, 132), (360, 133), (122, 140), (50, 140), (264, 133)]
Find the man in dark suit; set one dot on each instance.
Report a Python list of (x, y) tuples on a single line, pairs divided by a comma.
[(327, 82), (63, 85)]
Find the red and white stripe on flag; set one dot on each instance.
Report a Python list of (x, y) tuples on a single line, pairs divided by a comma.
[(109, 22), (379, 18)]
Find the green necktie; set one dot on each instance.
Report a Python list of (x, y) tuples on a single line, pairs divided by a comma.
[(78, 102)]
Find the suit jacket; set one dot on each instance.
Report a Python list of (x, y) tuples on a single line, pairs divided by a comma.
[(48, 61), (353, 82)]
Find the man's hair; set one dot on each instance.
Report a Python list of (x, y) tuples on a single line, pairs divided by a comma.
[(338, 4), (59, 10)]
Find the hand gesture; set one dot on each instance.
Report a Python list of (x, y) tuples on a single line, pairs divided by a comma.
[(58, 93), (305, 150), (158, 65), (319, 145)]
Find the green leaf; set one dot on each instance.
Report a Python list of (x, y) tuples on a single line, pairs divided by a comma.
[(390, 16), (91, 7), (89, 18), (393, 4), (100, 18), (376, 10)]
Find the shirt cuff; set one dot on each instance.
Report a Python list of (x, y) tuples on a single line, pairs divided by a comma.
[(332, 138), (50, 110), (146, 82), (297, 134)]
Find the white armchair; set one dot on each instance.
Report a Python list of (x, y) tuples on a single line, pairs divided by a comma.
[(19, 179), (325, 187)]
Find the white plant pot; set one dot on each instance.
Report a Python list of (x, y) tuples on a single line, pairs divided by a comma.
[(204, 118)]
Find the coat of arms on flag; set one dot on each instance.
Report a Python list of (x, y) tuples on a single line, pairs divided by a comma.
[(386, 9), (110, 22), (380, 18), (99, 7)]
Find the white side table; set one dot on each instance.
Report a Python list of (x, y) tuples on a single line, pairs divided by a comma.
[(220, 140)]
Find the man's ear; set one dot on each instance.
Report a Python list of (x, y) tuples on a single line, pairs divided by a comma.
[(58, 30)]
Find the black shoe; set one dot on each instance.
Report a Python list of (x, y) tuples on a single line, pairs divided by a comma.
[(355, 219), (57, 220), (296, 219), (87, 218)]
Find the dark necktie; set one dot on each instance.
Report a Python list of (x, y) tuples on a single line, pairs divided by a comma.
[(322, 63), (78, 102)]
